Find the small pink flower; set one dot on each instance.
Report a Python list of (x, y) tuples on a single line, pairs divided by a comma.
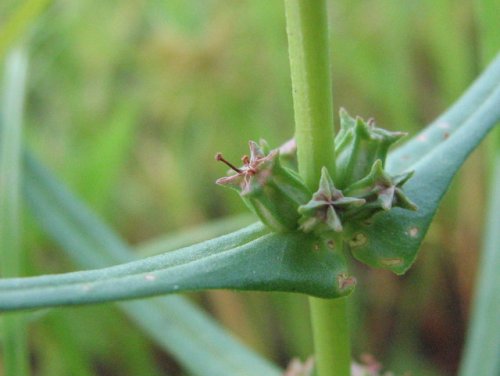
[(257, 167)]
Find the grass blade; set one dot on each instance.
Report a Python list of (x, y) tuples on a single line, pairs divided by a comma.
[(17, 24), (15, 345)]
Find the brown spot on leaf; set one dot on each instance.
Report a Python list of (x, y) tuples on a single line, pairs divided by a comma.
[(422, 138), (358, 240), (413, 232), (392, 261), (367, 222), (86, 287), (345, 281)]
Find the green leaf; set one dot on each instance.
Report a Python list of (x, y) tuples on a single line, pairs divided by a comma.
[(249, 259), (199, 233), (393, 239), (196, 341), (450, 121)]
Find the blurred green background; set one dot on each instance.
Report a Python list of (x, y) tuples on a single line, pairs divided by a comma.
[(129, 101)]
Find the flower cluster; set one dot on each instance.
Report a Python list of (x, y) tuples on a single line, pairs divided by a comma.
[(359, 189), (269, 189)]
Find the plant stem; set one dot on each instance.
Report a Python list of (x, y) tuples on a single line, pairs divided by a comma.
[(311, 81), (15, 348), (331, 336), (307, 27)]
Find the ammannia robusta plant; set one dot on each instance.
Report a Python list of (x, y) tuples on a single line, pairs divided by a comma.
[(371, 199)]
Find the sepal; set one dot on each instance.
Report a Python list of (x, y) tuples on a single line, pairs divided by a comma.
[(358, 145), (325, 211), (381, 191)]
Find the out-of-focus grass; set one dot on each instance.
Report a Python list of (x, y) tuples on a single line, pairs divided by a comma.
[(12, 260), (18, 20), (130, 100)]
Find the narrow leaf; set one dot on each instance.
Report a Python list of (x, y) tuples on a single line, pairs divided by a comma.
[(196, 341), (184, 238), (272, 262), (392, 241), (449, 122)]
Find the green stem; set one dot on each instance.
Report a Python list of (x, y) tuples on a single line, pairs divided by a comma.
[(15, 349), (307, 27), (331, 336)]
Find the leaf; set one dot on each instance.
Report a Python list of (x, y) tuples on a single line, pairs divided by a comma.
[(199, 233), (392, 241), (200, 344), (273, 262), (250, 259), (449, 122)]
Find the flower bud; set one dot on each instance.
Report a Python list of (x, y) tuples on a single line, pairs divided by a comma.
[(270, 190), (357, 146), (380, 191), (325, 211)]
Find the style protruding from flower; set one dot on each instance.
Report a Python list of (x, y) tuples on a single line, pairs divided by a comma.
[(270, 190), (324, 211), (255, 170)]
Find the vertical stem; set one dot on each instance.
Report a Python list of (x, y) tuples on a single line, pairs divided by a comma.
[(307, 27), (15, 348), (331, 336)]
